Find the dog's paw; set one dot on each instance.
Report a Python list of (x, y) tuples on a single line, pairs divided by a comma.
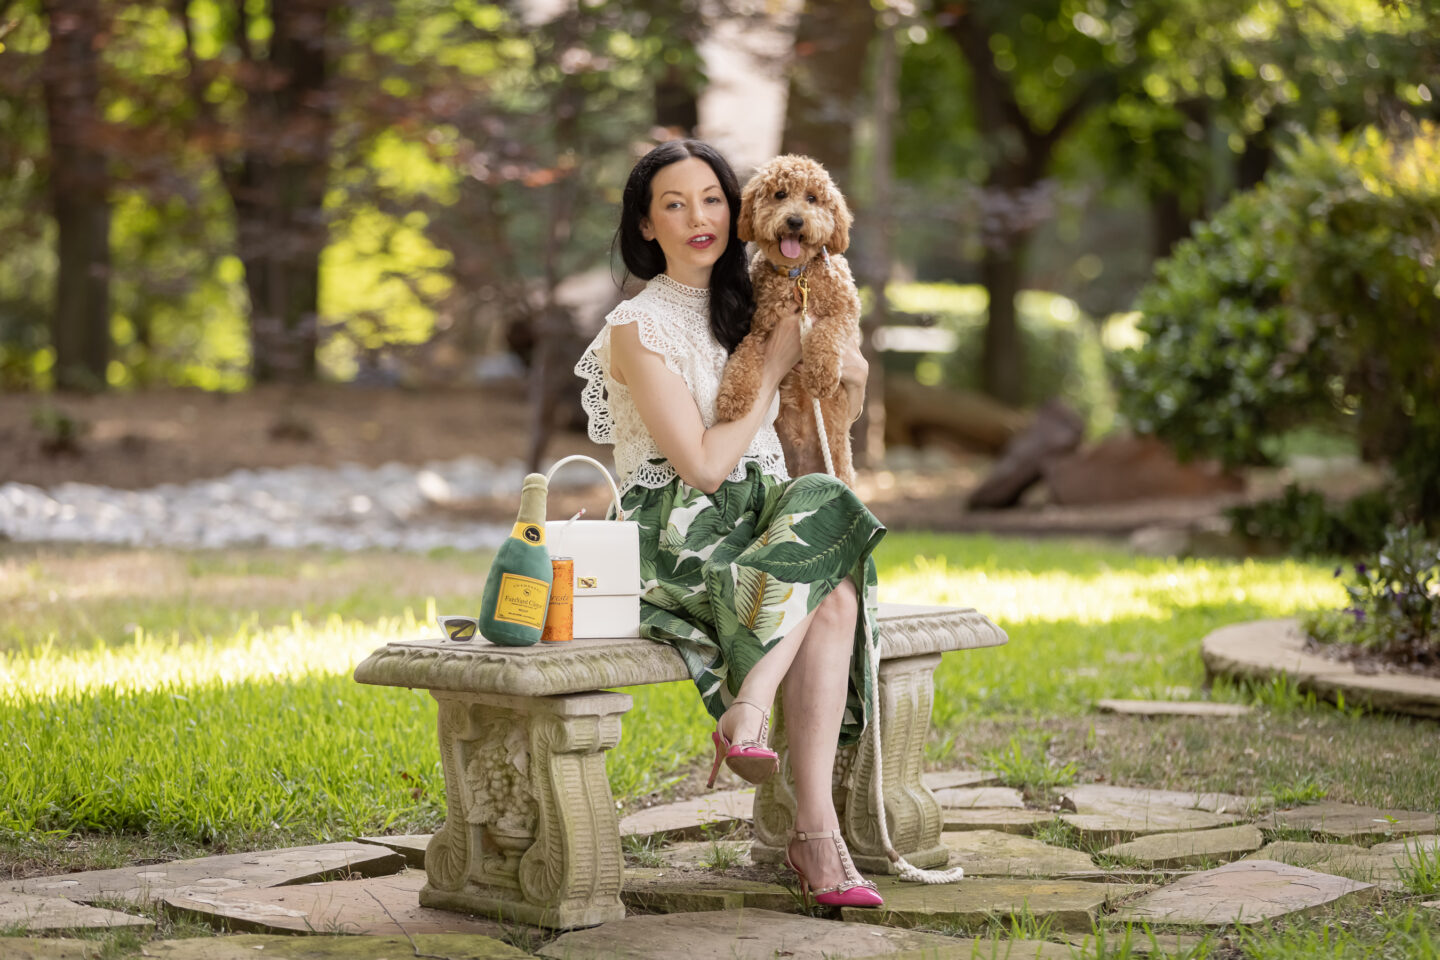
[(730, 405)]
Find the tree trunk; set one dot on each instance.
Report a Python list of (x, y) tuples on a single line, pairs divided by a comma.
[(279, 191), (827, 83), (1169, 222), (874, 263), (554, 322), (1255, 161), (1003, 364), (79, 187), (676, 105)]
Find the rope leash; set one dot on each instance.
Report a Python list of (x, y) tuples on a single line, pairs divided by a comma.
[(802, 286), (905, 869)]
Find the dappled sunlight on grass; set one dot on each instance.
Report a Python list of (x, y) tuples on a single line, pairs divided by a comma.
[(1012, 596), (299, 649), (257, 731)]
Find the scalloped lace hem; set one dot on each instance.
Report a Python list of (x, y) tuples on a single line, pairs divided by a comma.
[(653, 476)]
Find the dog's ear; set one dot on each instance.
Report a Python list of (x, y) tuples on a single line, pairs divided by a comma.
[(840, 236), (744, 223)]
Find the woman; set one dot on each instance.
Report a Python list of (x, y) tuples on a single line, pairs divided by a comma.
[(750, 575)]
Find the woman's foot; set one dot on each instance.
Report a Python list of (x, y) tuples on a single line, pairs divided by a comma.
[(743, 722), (744, 749), (826, 870)]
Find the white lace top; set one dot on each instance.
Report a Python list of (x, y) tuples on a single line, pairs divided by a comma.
[(673, 321)]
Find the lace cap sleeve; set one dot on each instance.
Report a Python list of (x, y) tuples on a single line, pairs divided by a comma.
[(594, 365)]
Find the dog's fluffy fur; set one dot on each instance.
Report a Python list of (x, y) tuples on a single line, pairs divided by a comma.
[(794, 197)]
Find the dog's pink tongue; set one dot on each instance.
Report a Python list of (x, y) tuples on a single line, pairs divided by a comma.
[(790, 247)]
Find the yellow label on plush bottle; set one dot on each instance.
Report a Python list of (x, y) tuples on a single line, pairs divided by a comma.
[(522, 600), (529, 532)]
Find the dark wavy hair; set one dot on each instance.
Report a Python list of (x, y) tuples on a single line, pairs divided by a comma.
[(732, 297)]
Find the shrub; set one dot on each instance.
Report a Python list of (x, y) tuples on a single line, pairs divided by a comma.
[(1312, 300), (1394, 607), (1064, 357), (1310, 526)]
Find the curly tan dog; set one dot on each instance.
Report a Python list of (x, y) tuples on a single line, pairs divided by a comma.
[(795, 214)]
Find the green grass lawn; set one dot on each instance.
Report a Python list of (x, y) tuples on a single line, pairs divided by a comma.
[(157, 704)]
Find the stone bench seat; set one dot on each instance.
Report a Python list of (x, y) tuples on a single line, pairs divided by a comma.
[(531, 831)]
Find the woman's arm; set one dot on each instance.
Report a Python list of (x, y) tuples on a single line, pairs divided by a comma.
[(703, 458)]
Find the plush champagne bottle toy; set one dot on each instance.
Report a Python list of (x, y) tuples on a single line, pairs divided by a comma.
[(517, 591)]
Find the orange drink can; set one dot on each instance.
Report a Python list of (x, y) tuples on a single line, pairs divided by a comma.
[(560, 615)]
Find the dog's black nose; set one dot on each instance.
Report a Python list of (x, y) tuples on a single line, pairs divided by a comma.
[(794, 223)]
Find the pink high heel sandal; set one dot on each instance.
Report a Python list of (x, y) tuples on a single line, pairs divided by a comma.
[(856, 891), (752, 760)]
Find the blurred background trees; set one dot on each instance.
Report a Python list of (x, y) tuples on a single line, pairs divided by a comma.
[(219, 193)]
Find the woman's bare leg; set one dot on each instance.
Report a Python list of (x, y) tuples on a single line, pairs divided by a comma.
[(763, 680), (814, 691)]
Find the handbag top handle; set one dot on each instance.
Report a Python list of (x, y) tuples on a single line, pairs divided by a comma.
[(614, 490)]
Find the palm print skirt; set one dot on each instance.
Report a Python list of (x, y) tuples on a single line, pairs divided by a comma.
[(728, 574)]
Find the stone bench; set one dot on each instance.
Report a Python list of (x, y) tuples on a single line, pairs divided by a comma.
[(531, 833)]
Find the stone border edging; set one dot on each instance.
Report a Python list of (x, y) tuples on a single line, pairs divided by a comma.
[(1263, 649)]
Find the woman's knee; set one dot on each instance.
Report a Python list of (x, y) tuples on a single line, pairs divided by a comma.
[(837, 611)]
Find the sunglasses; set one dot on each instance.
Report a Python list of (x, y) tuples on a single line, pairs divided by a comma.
[(458, 628)]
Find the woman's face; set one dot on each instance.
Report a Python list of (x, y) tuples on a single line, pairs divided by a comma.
[(690, 218)]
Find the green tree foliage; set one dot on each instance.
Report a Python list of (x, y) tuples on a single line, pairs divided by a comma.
[(1314, 298), (422, 160)]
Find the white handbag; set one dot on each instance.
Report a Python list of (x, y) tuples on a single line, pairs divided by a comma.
[(607, 565)]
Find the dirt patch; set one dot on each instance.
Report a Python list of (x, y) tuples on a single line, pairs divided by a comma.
[(140, 440), (1424, 663)]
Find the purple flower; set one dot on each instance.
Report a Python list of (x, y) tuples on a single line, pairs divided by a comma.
[(1339, 570), (1360, 569)]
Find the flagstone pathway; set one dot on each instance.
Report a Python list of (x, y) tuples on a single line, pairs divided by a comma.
[(1151, 850)]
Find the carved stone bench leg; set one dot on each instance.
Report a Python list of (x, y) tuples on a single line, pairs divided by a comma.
[(531, 832), (906, 695)]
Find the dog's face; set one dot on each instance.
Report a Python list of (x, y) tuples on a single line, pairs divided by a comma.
[(791, 208)]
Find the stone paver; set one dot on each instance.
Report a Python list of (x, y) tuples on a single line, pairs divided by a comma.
[(1423, 844), (738, 935), (255, 946), (1130, 801), (1244, 892), (411, 846), (949, 779), (36, 913), (379, 906), (1105, 828), (1191, 847), (1305, 853), (689, 819), (705, 854), (1068, 904), (1010, 821), (209, 875), (993, 853), (1142, 943), (1345, 821), (33, 948), (1172, 708), (1382, 865), (686, 891), (969, 798)]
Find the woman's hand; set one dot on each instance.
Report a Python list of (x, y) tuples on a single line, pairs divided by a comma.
[(854, 374), (782, 348), (854, 368)]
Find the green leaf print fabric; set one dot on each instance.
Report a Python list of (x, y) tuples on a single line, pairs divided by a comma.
[(727, 575)]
